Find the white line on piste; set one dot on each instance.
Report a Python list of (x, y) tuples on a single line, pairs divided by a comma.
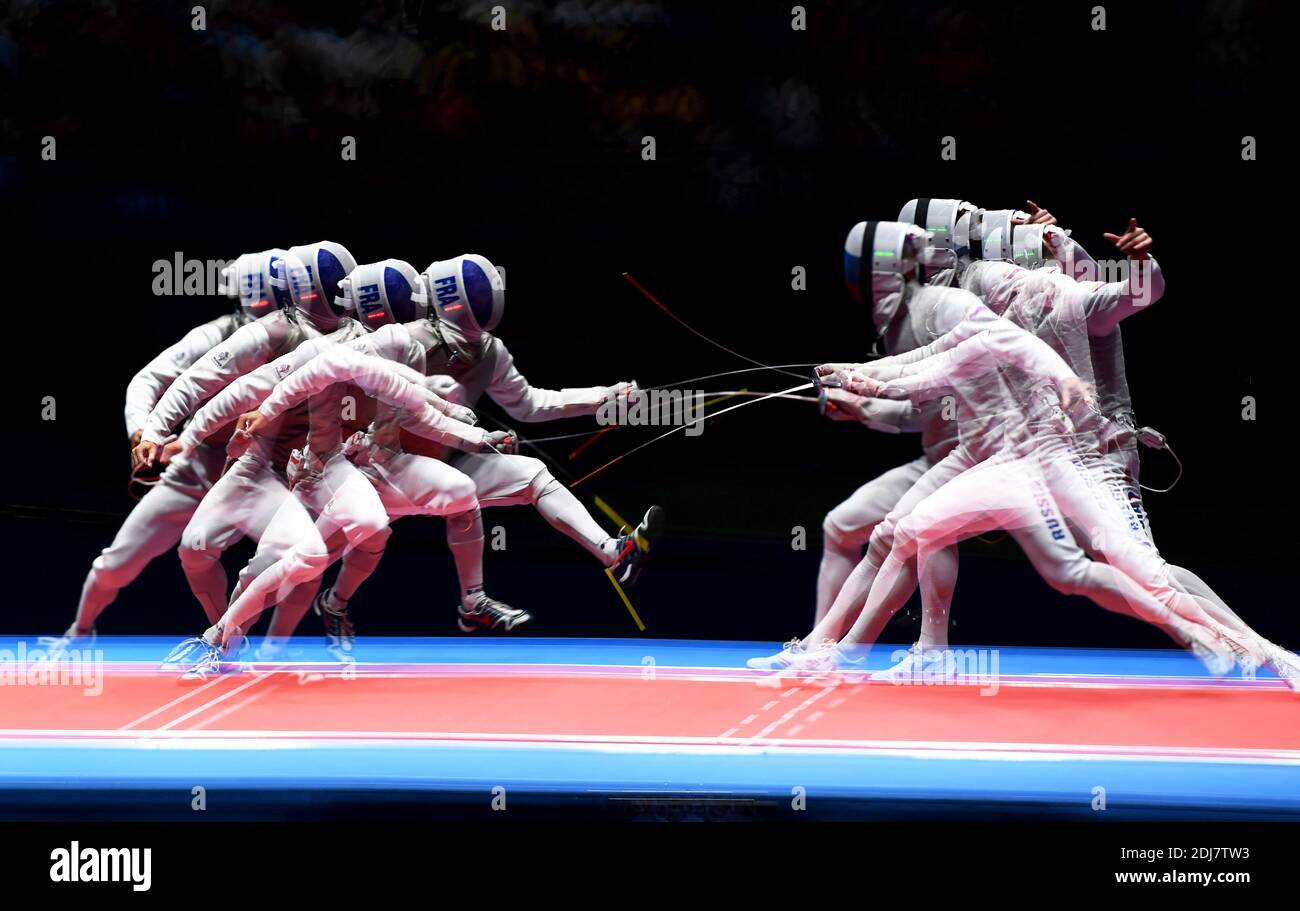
[(228, 710), (211, 702), (820, 694), (177, 701)]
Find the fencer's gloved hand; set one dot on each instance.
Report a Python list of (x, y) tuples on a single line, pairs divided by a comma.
[(1135, 242), (1038, 215), (841, 405), (1075, 391), (170, 451), (833, 376), (505, 442), (828, 376), (144, 454), (251, 422), (627, 390)]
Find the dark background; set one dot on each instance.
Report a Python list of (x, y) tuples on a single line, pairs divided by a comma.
[(524, 145)]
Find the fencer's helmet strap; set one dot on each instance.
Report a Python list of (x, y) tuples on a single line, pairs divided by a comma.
[(864, 274), (864, 260), (345, 300), (922, 212), (922, 219)]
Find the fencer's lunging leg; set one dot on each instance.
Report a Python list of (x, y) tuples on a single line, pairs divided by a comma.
[(565, 512)]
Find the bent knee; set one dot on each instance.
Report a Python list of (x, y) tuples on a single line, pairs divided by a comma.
[(844, 536), (543, 482)]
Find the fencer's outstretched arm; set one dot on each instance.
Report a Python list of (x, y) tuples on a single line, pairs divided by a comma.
[(353, 362), (525, 402), (384, 380), (245, 350), (885, 415), (149, 384), (1002, 343)]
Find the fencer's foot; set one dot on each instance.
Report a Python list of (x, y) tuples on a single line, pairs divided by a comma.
[(186, 654), (57, 647), (1285, 664), (1210, 649), (211, 663), (340, 637), (488, 613), (811, 662), (920, 664), (780, 661), (183, 655), (1247, 650), (633, 548)]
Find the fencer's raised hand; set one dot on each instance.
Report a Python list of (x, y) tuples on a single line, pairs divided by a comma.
[(1074, 390), (170, 451), (1135, 242), (1038, 215), (251, 422), (144, 454), (502, 441)]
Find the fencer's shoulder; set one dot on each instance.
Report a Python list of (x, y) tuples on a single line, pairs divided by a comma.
[(494, 355)]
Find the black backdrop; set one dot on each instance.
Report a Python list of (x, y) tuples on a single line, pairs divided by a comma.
[(525, 145)]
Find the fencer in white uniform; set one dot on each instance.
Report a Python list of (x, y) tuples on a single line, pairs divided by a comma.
[(1071, 316), (928, 313), (251, 489), (332, 496), (847, 528), (279, 458), (1064, 466), (155, 524), (465, 361)]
